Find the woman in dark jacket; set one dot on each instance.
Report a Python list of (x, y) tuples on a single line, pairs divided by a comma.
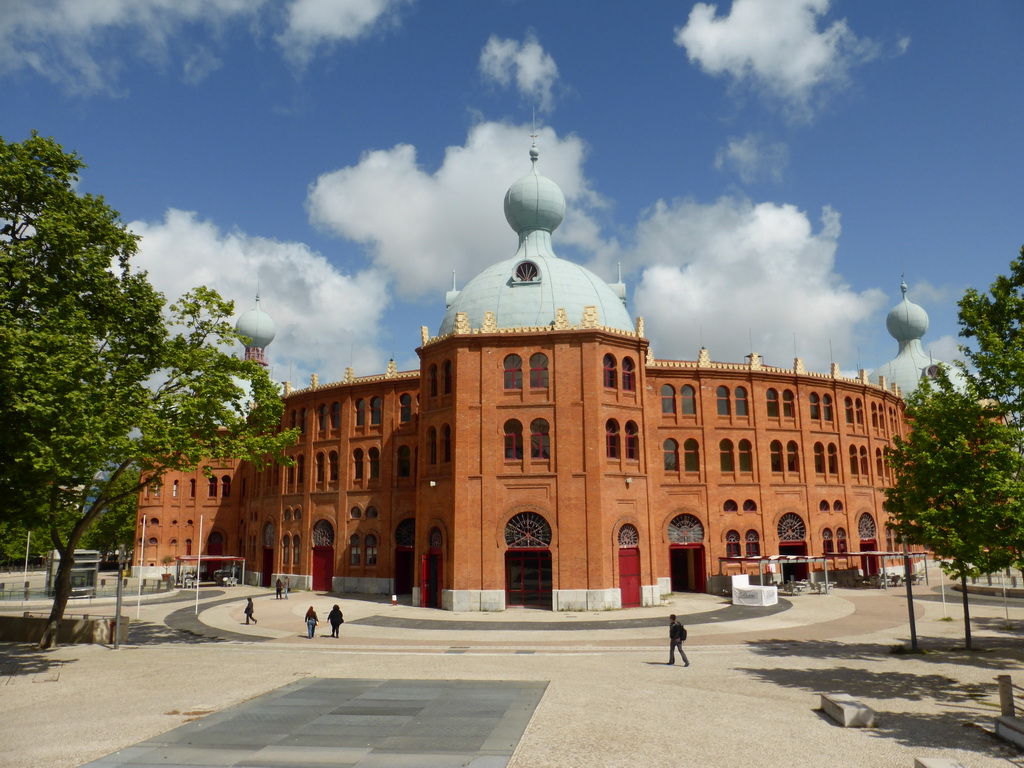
[(337, 618)]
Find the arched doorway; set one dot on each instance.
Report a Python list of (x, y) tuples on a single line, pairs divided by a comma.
[(323, 556), (686, 554), (793, 541), (267, 573), (528, 561), (431, 576), (868, 534), (405, 541), (629, 566)]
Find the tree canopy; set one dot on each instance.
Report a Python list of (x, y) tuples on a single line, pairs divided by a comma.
[(102, 379)]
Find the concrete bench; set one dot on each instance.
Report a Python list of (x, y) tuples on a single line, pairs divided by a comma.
[(847, 711), (1010, 729), (936, 762)]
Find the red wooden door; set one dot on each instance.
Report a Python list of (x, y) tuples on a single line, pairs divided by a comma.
[(629, 576), (323, 569)]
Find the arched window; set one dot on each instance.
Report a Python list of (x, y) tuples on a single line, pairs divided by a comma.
[(538, 371), (791, 527), (776, 454), (356, 513), (286, 546), (225, 486), (610, 372), (854, 466), (826, 407), (670, 450), (527, 530), (320, 468), (355, 550), (371, 512), (332, 466), (611, 444), (874, 415), (823, 506), (833, 459), (357, 463), (628, 375), (446, 443), (668, 398), (405, 408), (727, 460), (859, 411), (866, 527), (513, 372), (446, 372), (837, 505), (297, 514), (750, 505), (288, 513), (188, 546), (815, 406), (211, 491), (628, 537), (371, 549), (772, 398), (374, 458), (300, 468), (632, 441), (540, 439), (335, 415), (848, 405), (174, 490), (322, 417), (688, 400), (864, 462), (432, 445), (732, 544), (360, 412), (691, 455), (323, 534), (376, 409), (302, 422), (724, 404), (787, 404), (753, 543), (192, 489), (730, 506), (294, 419), (841, 544), (513, 440), (879, 464), (819, 459), (792, 457), (432, 380), (746, 453), (685, 529), (741, 401), (404, 464), (828, 545)]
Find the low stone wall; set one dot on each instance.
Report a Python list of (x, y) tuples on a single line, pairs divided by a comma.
[(82, 629)]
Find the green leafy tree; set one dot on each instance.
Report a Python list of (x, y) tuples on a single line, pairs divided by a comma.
[(115, 527), (99, 378)]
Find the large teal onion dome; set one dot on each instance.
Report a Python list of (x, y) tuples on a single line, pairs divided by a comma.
[(527, 290), (257, 326)]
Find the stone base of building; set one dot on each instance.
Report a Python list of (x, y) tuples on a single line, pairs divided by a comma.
[(473, 599), (665, 585), (586, 599), (358, 585), (650, 595)]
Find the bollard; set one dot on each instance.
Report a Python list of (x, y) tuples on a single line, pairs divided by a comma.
[(1005, 695), (394, 599)]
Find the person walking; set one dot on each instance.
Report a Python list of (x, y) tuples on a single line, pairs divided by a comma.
[(336, 618), (676, 635), (280, 589), (287, 586), (311, 621), (250, 611)]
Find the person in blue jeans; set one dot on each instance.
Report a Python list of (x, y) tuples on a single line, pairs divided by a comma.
[(311, 621), (676, 635)]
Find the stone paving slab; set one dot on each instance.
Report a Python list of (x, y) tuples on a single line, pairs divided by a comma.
[(352, 722)]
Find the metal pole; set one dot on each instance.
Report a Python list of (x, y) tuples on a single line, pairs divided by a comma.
[(117, 609), (910, 597), (199, 562), (28, 543), (942, 591), (1006, 606), (142, 562)]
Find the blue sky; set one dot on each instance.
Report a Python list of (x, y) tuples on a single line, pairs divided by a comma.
[(763, 171)]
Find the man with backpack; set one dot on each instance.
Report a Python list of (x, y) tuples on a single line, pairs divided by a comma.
[(676, 635)]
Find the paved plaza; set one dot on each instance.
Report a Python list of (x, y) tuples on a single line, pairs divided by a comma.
[(406, 686)]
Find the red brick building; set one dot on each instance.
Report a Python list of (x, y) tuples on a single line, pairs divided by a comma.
[(541, 456)]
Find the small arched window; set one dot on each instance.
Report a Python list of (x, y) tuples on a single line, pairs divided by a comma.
[(750, 505), (668, 398), (841, 543), (730, 506), (192, 489), (724, 403), (538, 371), (371, 512), (611, 444), (374, 459), (753, 541), (727, 460), (628, 375), (376, 410), (513, 440), (670, 450), (824, 506), (540, 439), (688, 400), (360, 412), (174, 490), (828, 545), (404, 464), (356, 513), (632, 441), (837, 505), (405, 408), (513, 372), (732, 544), (741, 401), (610, 372), (691, 455)]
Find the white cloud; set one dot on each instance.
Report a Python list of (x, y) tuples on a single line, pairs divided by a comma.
[(326, 320), (740, 277), (420, 225), (312, 24), (533, 71), (776, 45), (753, 158)]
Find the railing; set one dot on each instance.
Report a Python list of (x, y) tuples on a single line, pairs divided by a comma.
[(26, 591)]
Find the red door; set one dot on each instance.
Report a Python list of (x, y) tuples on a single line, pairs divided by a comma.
[(268, 566), (686, 566), (323, 569), (629, 576), (869, 563)]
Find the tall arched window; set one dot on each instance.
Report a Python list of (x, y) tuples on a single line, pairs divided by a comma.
[(864, 462), (776, 455), (335, 415), (753, 541), (174, 490), (320, 463), (446, 375), (610, 372), (302, 422), (446, 444), (513, 372), (691, 455), (432, 445), (405, 408), (374, 459), (376, 409), (879, 464), (192, 489), (787, 404), (404, 463), (741, 401), (611, 444), (815, 406), (300, 468), (322, 418), (355, 550), (841, 542), (746, 455), (296, 550), (826, 407), (848, 406), (668, 398), (632, 441), (540, 439), (732, 544), (628, 374), (432, 380), (858, 407), (513, 440), (828, 545), (874, 415), (833, 459), (538, 371), (225, 486), (360, 412), (726, 458), (670, 450), (357, 463), (688, 400), (332, 466), (792, 457), (866, 527), (819, 459), (211, 491), (854, 466), (371, 549), (772, 399), (724, 404), (286, 549)]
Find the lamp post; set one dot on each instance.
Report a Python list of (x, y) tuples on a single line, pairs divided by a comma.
[(117, 611)]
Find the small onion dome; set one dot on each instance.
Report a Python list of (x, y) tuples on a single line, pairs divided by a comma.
[(534, 202), (257, 326), (907, 320)]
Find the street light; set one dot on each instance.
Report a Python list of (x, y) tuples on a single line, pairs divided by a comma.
[(121, 556)]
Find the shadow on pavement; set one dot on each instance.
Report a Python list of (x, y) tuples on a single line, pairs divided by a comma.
[(24, 660), (146, 633)]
